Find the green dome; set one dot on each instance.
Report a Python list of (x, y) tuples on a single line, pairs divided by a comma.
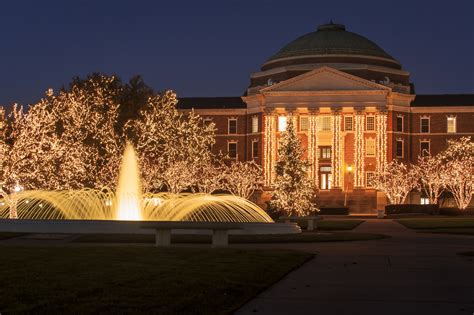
[(331, 39)]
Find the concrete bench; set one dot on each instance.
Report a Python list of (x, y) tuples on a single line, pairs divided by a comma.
[(312, 221), (220, 230)]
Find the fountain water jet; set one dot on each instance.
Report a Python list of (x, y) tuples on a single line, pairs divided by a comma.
[(129, 204), (129, 191)]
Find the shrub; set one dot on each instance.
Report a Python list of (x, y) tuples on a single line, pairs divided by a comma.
[(334, 211), (413, 208), (455, 211)]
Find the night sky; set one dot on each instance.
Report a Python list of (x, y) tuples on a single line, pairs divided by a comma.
[(209, 48)]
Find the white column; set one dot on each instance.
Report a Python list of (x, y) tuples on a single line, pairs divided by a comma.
[(359, 150), (336, 156), (381, 140), (313, 157), (269, 147)]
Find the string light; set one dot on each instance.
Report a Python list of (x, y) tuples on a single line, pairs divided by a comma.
[(313, 147), (269, 147), (381, 141), (336, 156), (396, 180), (359, 150)]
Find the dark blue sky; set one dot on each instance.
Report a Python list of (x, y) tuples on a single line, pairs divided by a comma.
[(209, 48)]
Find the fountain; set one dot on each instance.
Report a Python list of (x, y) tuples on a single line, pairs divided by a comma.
[(129, 190), (128, 204)]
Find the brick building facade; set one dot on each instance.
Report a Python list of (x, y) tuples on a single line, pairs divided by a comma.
[(354, 107)]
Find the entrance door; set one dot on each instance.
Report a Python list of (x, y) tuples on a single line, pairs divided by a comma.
[(325, 177)]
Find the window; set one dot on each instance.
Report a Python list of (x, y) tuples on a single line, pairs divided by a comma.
[(326, 123), (425, 124), (370, 147), (399, 148), (370, 123), (424, 148), (325, 152), (424, 201), (232, 149), (207, 121), (452, 124), (325, 177), (232, 125), (281, 123), (400, 123), (325, 169), (254, 124), (304, 123), (348, 123), (369, 179), (254, 149)]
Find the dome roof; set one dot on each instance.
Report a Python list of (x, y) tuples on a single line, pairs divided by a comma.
[(331, 39)]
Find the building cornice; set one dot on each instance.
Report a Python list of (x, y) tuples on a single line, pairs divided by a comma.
[(443, 109), (324, 69), (331, 56)]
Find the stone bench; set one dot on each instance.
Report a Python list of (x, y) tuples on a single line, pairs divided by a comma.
[(220, 230), (312, 221)]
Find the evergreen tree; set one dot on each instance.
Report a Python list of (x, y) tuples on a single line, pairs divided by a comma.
[(293, 189)]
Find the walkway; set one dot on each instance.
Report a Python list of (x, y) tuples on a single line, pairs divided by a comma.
[(409, 273)]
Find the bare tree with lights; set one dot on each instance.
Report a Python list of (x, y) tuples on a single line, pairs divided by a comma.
[(293, 189), (243, 178), (211, 176), (31, 145), (459, 177), (396, 180), (431, 172)]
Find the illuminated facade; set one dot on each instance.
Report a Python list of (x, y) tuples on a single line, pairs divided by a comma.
[(354, 108)]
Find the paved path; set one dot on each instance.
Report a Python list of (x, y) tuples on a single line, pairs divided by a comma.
[(409, 273)]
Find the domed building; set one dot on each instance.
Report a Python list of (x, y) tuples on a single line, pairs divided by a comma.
[(354, 108), (331, 45)]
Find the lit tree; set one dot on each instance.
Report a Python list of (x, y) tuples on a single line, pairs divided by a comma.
[(459, 177), (431, 172), (396, 180), (178, 176), (293, 189), (169, 141), (31, 146), (88, 113), (66, 141), (211, 176), (243, 178)]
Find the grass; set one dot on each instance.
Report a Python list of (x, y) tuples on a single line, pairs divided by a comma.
[(7, 235), (461, 231), (444, 225), (305, 237), (137, 279)]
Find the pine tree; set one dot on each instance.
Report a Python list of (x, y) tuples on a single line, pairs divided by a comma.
[(293, 189)]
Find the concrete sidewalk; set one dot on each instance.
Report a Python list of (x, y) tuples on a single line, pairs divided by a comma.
[(409, 273)]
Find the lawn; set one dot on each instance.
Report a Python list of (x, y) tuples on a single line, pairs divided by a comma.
[(463, 231), (137, 279), (446, 225), (305, 237), (7, 235), (438, 222)]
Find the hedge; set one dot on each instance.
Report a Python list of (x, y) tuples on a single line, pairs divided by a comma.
[(334, 211), (412, 208)]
